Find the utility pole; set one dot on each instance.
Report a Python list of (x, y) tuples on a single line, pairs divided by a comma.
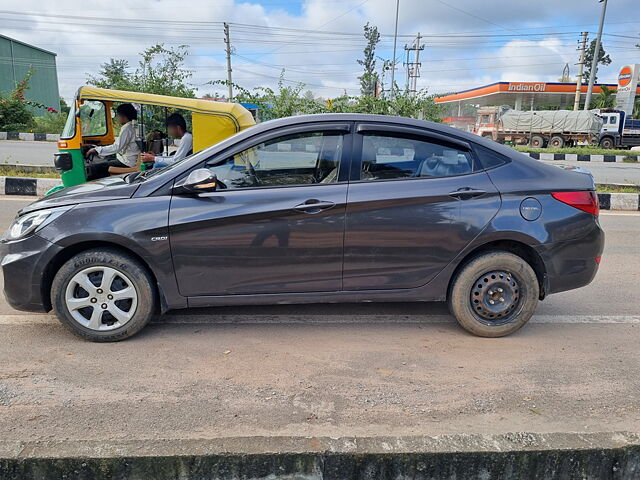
[(413, 68), (583, 50), (596, 56), (227, 41), (395, 41)]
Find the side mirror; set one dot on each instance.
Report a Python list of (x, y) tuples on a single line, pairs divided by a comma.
[(63, 161), (199, 181)]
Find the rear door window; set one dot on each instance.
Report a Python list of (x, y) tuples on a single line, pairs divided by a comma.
[(389, 157)]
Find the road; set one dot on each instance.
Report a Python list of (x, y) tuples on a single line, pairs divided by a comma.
[(27, 153), (619, 172), (334, 370), (41, 153)]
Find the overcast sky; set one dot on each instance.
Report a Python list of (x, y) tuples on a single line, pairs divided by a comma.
[(496, 40)]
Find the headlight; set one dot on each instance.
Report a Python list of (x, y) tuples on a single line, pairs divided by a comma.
[(29, 223)]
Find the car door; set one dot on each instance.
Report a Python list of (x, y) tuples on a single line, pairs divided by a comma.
[(416, 199), (275, 225)]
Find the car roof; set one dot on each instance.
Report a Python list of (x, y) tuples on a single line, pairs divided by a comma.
[(366, 117)]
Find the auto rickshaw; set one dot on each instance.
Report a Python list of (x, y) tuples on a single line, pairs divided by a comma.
[(90, 123)]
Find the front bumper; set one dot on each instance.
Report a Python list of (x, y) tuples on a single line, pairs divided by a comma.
[(572, 264), (23, 263)]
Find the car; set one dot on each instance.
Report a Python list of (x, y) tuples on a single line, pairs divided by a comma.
[(311, 209)]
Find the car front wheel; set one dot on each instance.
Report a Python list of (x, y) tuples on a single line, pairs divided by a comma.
[(103, 295), (494, 294)]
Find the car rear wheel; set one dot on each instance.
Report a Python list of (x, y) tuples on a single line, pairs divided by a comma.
[(103, 295), (494, 294)]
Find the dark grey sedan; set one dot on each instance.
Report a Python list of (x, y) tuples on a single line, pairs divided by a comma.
[(320, 208)]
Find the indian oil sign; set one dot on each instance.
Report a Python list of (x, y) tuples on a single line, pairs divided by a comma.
[(624, 77), (627, 85), (526, 87)]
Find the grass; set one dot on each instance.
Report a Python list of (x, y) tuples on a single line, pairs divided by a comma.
[(618, 189), (633, 156), (16, 171)]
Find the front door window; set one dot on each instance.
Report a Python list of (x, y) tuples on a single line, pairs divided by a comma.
[(300, 159)]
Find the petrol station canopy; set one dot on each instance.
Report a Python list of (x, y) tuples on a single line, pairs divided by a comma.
[(521, 95)]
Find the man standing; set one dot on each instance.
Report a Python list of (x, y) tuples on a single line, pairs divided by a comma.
[(177, 127)]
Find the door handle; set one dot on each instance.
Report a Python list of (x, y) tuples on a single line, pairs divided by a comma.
[(465, 193), (314, 206)]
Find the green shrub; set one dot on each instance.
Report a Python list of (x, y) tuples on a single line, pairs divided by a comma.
[(50, 123)]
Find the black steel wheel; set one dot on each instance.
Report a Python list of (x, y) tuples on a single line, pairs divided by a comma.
[(495, 297), (494, 294)]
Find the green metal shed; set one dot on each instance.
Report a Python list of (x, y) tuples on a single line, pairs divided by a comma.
[(16, 58)]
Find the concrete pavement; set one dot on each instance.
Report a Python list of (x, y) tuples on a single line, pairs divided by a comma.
[(289, 374)]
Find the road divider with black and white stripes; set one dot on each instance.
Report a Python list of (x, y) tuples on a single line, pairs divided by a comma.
[(576, 157)]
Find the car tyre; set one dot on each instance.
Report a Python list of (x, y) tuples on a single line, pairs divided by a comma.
[(103, 295), (503, 278)]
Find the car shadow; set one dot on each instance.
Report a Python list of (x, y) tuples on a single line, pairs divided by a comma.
[(410, 312)]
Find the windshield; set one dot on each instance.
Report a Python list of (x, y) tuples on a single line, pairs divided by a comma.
[(69, 129), (93, 118)]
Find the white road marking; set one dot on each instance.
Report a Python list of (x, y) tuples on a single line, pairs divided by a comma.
[(630, 213), (37, 319), (18, 198)]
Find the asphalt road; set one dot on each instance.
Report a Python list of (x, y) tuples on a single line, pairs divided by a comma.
[(27, 153), (334, 370), (619, 172), (41, 153)]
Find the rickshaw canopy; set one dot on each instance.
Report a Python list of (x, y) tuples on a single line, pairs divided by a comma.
[(211, 121)]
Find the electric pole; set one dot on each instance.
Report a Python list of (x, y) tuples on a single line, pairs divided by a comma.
[(596, 56), (227, 41), (413, 68), (395, 40), (583, 50)]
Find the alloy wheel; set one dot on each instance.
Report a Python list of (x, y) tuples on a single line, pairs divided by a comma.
[(101, 298)]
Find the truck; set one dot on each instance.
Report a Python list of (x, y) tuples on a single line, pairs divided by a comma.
[(618, 130), (539, 128)]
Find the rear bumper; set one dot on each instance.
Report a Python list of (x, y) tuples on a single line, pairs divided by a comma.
[(23, 267), (572, 264)]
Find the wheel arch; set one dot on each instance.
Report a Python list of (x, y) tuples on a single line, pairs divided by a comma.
[(521, 249), (71, 250)]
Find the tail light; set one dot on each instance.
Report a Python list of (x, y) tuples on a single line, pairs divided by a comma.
[(586, 201)]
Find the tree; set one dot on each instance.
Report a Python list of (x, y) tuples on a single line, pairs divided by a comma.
[(160, 70), (605, 99), (64, 108), (369, 79), (113, 74), (603, 59), (283, 101), (403, 103)]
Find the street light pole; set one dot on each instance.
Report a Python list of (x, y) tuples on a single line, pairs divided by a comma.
[(596, 56), (395, 40)]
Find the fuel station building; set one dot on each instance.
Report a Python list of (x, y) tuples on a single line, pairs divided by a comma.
[(460, 107)]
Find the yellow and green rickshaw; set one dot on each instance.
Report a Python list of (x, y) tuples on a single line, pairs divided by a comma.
[(90, 123)]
